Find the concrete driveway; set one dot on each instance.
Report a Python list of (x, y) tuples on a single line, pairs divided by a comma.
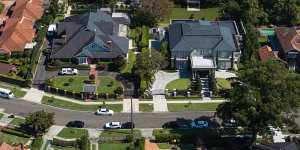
[(163, 78), (224, 74)]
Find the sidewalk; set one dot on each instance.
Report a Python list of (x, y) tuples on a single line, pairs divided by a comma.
[(127, 105)]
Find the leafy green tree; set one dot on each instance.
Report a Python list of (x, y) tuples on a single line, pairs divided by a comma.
[(164, 49), (117, 64), (39, 121), (262, 95), (83, 143), (212, 82)]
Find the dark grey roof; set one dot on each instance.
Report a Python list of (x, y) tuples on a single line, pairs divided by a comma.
[(278, 146), (88, 89), (90, 28), (190, 35)]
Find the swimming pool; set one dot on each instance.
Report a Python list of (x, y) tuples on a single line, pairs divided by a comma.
[(267, 32)]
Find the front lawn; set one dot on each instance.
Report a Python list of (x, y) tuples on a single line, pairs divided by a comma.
[(69, 105), (146, 107), (193, 106), (107, 85), (113, 146), (120, 133), (224, 83), (179, 84), (12, 139), (17, 121), (17, 92), (70, 133), (130, 63), (58, 148), (210, 14), (1, 115)]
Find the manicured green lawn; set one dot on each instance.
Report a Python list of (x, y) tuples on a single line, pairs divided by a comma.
[(179, 84), (1, 115), (69, 105), (17, 121), (146, 107), (113, 146), (93, 147), (17, 93), (185, 99), (64, 84), (12, 139), (164, 145), (193, 107), (107, 85), (224, 83), (70, 133), (120, 133), (181, 13), (130, 63)]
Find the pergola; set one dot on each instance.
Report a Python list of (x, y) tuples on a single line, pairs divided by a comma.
[(193, 5)]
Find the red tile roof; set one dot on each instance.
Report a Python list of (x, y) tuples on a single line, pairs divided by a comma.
[(266, 53), (18, 29)]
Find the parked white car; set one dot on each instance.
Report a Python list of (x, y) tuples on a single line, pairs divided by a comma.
[(6, 93), (104, 111), (113, 125), (68, 71)]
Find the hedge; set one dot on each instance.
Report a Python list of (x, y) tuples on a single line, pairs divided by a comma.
[(13, 80), (163, 138), (62, 143), (79, 11), (14, 132)]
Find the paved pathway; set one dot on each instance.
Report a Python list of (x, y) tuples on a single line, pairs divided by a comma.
[(161, 80), (53, 131), (160, 103), (205, 89), (34, 95), (151, 146), (4, 121), (224, 74), (127, 105), (147, 133)]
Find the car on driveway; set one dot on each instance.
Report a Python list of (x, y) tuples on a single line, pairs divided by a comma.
[(104, 111), (127, 125), (176, 124), (76, 124), (68, 71), (113, 125), (199, 124)]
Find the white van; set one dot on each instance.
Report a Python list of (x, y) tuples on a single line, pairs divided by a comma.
[(6, 93)]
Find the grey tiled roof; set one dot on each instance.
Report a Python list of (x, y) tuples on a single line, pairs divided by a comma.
[(190, 35), (84, 29)]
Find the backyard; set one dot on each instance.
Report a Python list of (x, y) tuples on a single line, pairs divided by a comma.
[(70, 133), (106, 84), (179, 84), (193, 106), (210, 14), (69, 105)]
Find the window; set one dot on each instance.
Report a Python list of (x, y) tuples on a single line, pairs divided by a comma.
[(224, 54)]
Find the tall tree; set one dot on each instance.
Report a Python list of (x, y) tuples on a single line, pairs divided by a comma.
[(262, 95), (40, 120)]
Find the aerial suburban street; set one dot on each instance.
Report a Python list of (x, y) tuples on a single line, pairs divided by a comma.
[(63, 116)]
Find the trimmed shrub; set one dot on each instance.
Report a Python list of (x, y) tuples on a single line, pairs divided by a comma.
[(119, 91), (143, 85), (14, 132), (162, 138)]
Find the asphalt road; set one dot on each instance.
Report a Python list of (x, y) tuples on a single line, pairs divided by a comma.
[(62, 116)]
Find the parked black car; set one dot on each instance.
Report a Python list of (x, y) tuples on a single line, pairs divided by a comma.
[(176, 124), (76, 124), (127, 125)]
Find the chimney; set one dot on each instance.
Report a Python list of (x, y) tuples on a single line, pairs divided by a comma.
[(109, 45)]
